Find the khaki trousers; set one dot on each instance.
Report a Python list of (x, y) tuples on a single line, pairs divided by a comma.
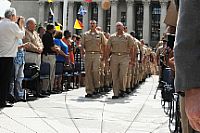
[(140, 71), (92, 72), (108, 77), (102, 74), (130, 78), (51, 59), (137, 73), (134, 76), (33, 58), (119, 68)]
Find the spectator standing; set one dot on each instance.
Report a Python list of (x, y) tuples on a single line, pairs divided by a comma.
[(60, 59), (18, 69), (49, 56), (41, 31), (67, 40), (9, 33), (33, 53)]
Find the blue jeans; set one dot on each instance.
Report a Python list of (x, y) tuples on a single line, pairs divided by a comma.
[(18, 78)]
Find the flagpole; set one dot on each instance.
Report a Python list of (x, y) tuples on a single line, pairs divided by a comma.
[(65, 14)]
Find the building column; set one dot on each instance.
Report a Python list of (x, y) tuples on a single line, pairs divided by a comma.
[(130, 15), (134, 15), (100, 15), (70, 20), (146, 22), (113, 16), (41, 12), (86, 17), (163, 4), (65, 5), (56, 11)]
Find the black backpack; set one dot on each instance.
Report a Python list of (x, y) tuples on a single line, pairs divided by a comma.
[(167, 93), (31, 70)]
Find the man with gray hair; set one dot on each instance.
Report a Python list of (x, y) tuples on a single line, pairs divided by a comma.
[(33, 53), (9, 33)]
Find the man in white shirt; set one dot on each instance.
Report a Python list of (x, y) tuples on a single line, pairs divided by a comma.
[(10, 32)]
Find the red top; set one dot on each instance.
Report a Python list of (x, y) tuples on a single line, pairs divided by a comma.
[(70, 49)]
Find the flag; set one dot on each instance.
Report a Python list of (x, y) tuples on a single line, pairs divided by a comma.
[(51, 11), (58, 26), (51, 16), (88, 1), (82, 11), (78, 25), (50, 1)]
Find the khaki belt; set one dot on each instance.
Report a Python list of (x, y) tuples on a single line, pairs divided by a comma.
[(93, 52), (119, 54), (32, 52)]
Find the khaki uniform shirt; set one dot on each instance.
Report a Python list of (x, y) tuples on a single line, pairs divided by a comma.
[(137, 42), (153, 57), (141, 51), (93, 42), (121, 44), (34, 40), (144, 48)]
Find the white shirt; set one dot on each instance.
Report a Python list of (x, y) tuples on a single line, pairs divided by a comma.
[(9, 34)]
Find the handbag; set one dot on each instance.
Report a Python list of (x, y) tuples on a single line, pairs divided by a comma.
[(31, 70)]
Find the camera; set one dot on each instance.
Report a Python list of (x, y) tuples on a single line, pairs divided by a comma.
[(170, 40)]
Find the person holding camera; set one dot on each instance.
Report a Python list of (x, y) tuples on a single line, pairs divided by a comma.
[(9, 33), (18, 69)]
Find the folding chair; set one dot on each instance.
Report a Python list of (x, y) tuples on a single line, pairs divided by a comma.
[(45, 72), (31, 75), (67, 74)]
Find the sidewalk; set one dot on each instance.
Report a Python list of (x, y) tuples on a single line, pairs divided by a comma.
[(70, 112)]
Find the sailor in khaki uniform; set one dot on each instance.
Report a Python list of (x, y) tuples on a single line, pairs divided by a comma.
[(144, 58), (137, 65), (141, 61), (121, 45), (132, 71), (93, 42), (148, 62)]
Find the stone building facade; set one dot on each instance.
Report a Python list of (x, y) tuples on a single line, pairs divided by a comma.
[(146, 17)]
